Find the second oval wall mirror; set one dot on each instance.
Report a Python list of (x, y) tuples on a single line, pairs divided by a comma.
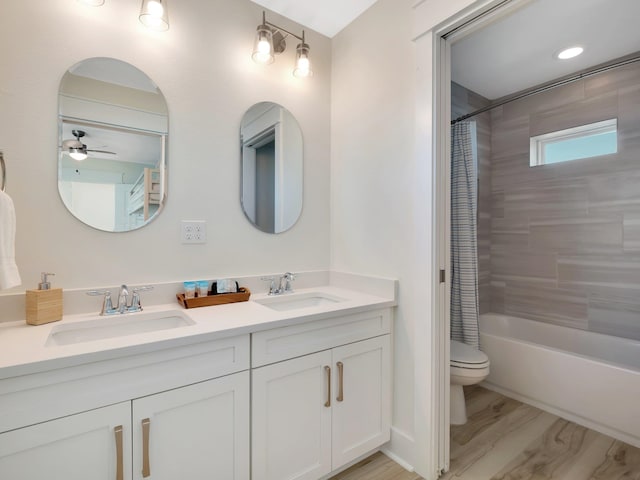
[(272, 162), (113, 127)]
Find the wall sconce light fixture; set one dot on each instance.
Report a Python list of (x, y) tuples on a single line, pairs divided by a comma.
[(154, 15), (270, 40)]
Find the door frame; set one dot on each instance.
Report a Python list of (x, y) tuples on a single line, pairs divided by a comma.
[(433, 61)]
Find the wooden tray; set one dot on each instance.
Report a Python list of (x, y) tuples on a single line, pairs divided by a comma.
[(210, 300)]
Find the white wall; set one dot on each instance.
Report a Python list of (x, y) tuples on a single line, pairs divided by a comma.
[(382, 198), (374, 215), (203, 67)]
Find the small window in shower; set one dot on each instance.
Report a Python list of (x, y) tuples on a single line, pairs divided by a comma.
[(585, 141)]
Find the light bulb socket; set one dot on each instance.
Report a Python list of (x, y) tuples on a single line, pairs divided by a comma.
[(154, 15)]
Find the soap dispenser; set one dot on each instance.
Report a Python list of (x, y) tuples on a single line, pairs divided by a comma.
[(44, 305)]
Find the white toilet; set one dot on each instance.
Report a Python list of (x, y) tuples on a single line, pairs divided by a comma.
[(468, 367)]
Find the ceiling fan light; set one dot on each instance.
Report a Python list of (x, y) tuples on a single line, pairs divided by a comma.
[(78, 153)]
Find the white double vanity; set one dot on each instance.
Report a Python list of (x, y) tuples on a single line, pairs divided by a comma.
[(288, 387)]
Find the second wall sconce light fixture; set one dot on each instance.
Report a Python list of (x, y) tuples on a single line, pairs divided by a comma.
[(270, 40)]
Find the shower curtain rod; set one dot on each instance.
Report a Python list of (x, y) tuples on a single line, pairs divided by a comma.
[(621, 62)]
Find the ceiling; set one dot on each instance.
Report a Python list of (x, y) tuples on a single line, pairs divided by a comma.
[(517, 51), (324, 16)]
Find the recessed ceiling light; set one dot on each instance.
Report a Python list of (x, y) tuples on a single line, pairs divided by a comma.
[(569, 53)]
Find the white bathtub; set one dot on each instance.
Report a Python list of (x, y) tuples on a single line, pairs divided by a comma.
[(589, 378)]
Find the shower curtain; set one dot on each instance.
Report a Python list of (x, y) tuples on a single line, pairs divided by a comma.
[(464, 237)]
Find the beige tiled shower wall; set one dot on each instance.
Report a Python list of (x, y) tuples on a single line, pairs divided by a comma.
[(564, 243), (464, 101)]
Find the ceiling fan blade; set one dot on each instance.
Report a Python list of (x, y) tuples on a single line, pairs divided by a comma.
[(101, 151)]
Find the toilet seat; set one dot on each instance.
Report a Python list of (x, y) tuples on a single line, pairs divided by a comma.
[(466, 357)]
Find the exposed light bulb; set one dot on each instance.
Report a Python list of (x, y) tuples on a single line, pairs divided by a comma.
[(155, 9), (154, 15), (303, 65), (263, 47)]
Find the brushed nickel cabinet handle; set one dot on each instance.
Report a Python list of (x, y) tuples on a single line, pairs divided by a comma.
[(328, 402), (146, 467), (340, 396), (119, 453)]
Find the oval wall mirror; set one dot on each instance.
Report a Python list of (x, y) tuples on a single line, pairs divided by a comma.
[(272, 157), (113, 127)]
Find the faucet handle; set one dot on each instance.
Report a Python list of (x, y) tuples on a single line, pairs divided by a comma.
[(107, 304), (285, 282), (272, 285), (95, 293), (143, 288), (135, 298)]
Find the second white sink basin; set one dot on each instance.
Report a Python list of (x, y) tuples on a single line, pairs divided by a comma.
[(295, 301), (116, 326)]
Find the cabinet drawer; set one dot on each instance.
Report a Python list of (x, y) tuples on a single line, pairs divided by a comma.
[(44, 396), (282, 343)]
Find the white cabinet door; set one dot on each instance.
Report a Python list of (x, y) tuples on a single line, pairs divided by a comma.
[(93, 445), (362, 398), (291, 419), (196, 432)]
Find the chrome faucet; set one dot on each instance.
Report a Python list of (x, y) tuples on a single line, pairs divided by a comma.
[(282, 286), (123, 296), (285, 282)]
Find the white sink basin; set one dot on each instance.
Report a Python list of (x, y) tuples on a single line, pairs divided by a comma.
[(296, 301), (116, 326)]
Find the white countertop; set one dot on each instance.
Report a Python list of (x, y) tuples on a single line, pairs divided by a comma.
[(24, 349)]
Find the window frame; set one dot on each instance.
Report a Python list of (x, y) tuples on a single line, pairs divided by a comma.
[(537, 144)]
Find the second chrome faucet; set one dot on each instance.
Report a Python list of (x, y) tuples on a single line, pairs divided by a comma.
[(283, 285)]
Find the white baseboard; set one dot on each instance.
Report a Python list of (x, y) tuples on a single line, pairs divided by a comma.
[(400, 449)]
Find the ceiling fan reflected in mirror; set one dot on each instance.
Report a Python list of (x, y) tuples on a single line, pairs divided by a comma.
[(78, 150)]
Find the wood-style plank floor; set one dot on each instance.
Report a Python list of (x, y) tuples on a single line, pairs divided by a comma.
[(376, 467), (508, 440)]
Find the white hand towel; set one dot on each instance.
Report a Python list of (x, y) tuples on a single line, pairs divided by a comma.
[(9, 276)]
